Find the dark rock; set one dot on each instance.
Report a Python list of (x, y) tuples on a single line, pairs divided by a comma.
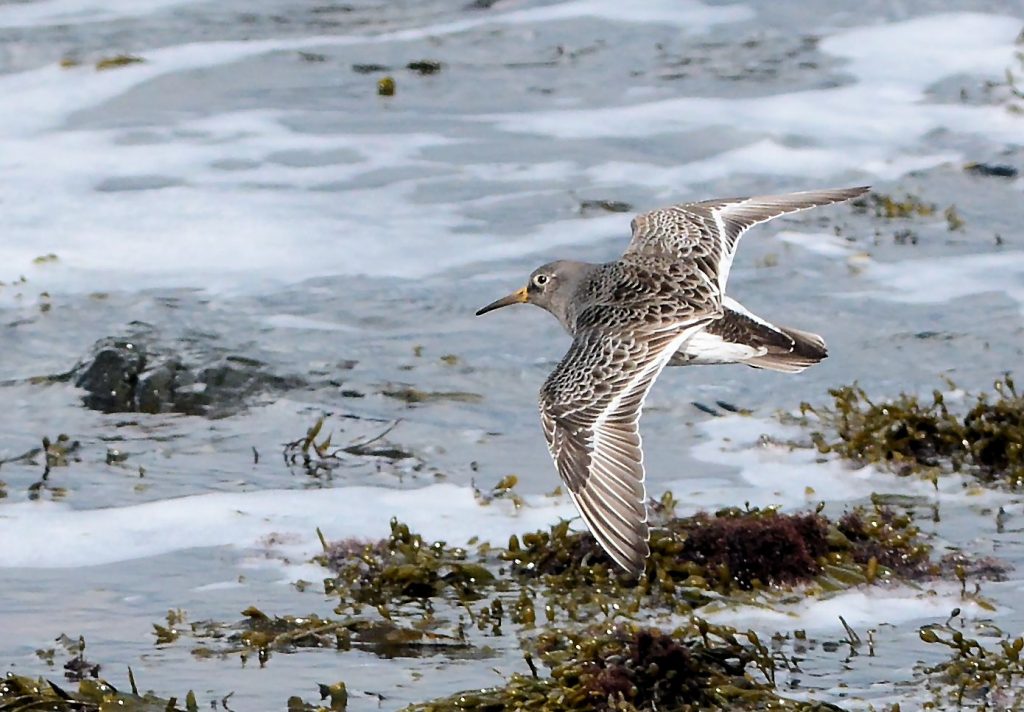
[(424, 66), (369, 68), (112, 376), (128, 376), (991, 169)]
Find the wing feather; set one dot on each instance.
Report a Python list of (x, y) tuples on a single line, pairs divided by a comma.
[(593, 432), (708, 232)]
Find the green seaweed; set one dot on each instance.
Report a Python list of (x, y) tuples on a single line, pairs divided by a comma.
[(261, 635), (20, 693), (909, 435), (557, 594), (412, 395), (889, 207), (632, 667), (320, 458), (953, 220), (336, 693), (402, 568), (986, 673), (729, 552), (117, 61)]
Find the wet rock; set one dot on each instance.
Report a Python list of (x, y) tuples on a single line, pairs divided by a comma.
[(991, 170), (370, 68), (424, 66), (134, 376), (111, 377)]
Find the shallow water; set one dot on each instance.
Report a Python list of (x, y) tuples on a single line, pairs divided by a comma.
[(245, 192)]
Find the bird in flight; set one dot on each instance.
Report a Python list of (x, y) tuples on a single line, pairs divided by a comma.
[(662, 303)]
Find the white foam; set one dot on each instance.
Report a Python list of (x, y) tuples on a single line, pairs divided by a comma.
[(774, 473), (690, 15), (51, 535), (294, 321), (819, 243), (861, 607), (942, 279), (885, 106), (220, 229), (75, 12), (768, 157), (928, 48)]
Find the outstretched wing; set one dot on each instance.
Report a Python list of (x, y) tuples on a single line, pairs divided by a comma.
[(589, 408), (708, 232)]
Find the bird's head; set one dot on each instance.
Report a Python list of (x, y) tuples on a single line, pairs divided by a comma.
[(550, 287)]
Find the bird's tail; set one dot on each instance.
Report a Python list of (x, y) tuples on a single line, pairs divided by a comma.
[(807, 350)]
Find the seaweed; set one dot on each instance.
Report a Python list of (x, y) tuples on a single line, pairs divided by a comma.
[(632, 667), (20, 693), (414, 395), (886, 206), (909, 435), (336, 693), (569, 606), (261, 635), (953, 220), (604, 205), (1014, 88), (117, 61), (884, 538), (402, 568), (987, 675), (321, 459), (730, 552)]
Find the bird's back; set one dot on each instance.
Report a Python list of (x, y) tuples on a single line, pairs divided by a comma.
[(644, 292)]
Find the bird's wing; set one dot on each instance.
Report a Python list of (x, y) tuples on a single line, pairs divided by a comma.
[(708, 232), (590, 407)]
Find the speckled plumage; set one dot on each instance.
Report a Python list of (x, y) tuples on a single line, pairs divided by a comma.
[(662, 303)]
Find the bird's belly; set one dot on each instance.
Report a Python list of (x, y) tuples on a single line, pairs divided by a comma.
[(704, 348)]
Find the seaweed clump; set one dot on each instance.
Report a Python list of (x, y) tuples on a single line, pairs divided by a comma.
[(886, 206), (18, 692), (400, 568), (263, 635), (885, 538), (978, 675), (910, 435), (743, 549), (632, 668), (730, 552)]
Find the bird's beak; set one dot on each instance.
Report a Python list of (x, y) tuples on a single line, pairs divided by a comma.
[(519, 297)]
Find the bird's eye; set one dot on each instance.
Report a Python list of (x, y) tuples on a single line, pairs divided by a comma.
[(540, 280)]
